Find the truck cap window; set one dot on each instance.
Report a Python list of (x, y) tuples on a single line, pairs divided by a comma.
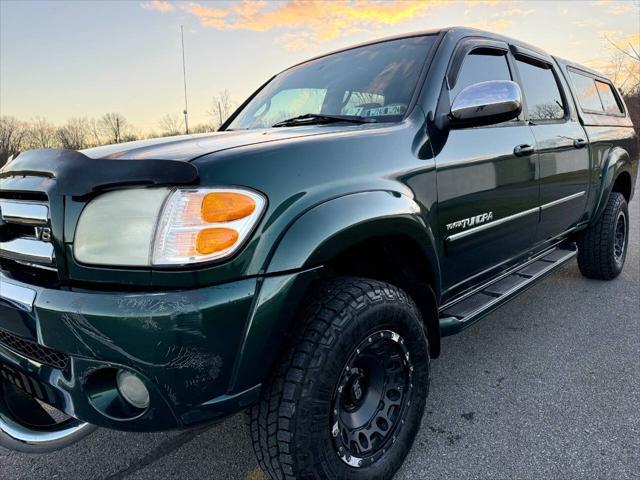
[(481, 66), (586, 91), (541, 92), (608, 98), (374, 81)]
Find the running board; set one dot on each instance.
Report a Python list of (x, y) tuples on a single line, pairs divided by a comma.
[(458, 315)]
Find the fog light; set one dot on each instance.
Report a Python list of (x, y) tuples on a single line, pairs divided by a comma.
[(133, 389)]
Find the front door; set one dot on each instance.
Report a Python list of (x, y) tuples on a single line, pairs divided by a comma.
[(561, 147), (487, 188)]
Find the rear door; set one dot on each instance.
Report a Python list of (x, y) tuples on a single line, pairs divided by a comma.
[(487, 194), (561, 144)]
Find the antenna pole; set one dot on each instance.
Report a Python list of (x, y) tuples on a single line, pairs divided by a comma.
[(184, 77)]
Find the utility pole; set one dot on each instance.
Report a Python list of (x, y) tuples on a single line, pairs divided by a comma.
[(184, 77)]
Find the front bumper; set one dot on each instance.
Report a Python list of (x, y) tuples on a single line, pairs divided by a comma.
[(64, 347)]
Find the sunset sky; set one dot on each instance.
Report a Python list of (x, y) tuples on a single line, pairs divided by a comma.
[(63, 59)]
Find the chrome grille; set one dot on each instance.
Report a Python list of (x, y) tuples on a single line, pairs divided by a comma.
[(34, 351), (28, 250), (25, 234), (24, 213)]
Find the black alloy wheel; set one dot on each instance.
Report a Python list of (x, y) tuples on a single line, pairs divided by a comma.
[(371, 398), (620, 240)]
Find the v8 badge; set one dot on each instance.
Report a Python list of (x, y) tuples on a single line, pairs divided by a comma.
[(43, 233)]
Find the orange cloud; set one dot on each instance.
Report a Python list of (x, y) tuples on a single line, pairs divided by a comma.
[(634, 39), (209, 16), (620, 9), (515, 12), (159, 5), (617, 7), (308, 21), (481, 2), (498, 25)]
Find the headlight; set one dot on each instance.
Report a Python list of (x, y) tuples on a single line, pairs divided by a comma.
[(159, 226), (117, 228)]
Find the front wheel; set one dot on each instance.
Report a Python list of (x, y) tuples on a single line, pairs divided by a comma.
[(347, 399)]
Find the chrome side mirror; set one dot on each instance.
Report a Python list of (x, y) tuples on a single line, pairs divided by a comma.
[(486, 103)]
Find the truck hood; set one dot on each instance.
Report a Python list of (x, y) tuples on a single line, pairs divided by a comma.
[(161, 161), (189, 147)]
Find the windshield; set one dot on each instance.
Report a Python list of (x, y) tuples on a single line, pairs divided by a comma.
[(375, 81)]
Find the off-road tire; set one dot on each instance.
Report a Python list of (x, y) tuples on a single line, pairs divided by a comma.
[(291, 424), (597, 245)]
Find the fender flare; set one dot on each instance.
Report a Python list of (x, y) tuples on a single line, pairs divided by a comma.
[(330, 228), (618, 161)]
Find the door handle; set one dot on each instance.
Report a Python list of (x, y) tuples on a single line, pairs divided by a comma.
[(524, 150), (580, 143)]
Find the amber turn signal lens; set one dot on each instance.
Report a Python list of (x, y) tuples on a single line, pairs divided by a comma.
[(226, 207), (212, 240)]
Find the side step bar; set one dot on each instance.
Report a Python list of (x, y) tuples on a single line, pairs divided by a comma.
[(457, 316)]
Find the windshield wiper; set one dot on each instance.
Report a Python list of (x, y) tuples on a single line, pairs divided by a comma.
[(318, 119)]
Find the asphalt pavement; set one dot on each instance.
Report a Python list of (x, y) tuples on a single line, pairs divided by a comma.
[(547, 387)]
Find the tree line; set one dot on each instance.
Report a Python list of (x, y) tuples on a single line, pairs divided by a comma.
[(83, 132)]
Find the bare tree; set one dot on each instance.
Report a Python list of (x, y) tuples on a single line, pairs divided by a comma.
[(624, 68), (95, 133), (113, 126), (74, 135), (221, 108), (171, 124), (629, 50), (42, 134), (13, 134), (547, 111), (625, 73)]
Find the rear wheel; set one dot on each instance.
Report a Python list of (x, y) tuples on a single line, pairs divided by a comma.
[(347, 399), (602, 249)]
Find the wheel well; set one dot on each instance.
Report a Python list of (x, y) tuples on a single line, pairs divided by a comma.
[(623, 185), (398, 260)]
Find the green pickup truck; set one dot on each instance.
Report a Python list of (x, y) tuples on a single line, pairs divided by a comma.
[(303, 262)]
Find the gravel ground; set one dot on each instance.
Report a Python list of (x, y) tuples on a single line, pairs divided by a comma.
[(547, 387)]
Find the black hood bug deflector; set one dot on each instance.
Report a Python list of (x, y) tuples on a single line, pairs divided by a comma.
[(77, 175)]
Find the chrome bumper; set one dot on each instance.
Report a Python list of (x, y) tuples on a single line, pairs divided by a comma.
[(21, 438), (15, 434)]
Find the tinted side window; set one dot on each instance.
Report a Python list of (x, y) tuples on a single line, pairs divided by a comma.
[(480, 66), (586, 92), (541, 92), (608, 98)]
